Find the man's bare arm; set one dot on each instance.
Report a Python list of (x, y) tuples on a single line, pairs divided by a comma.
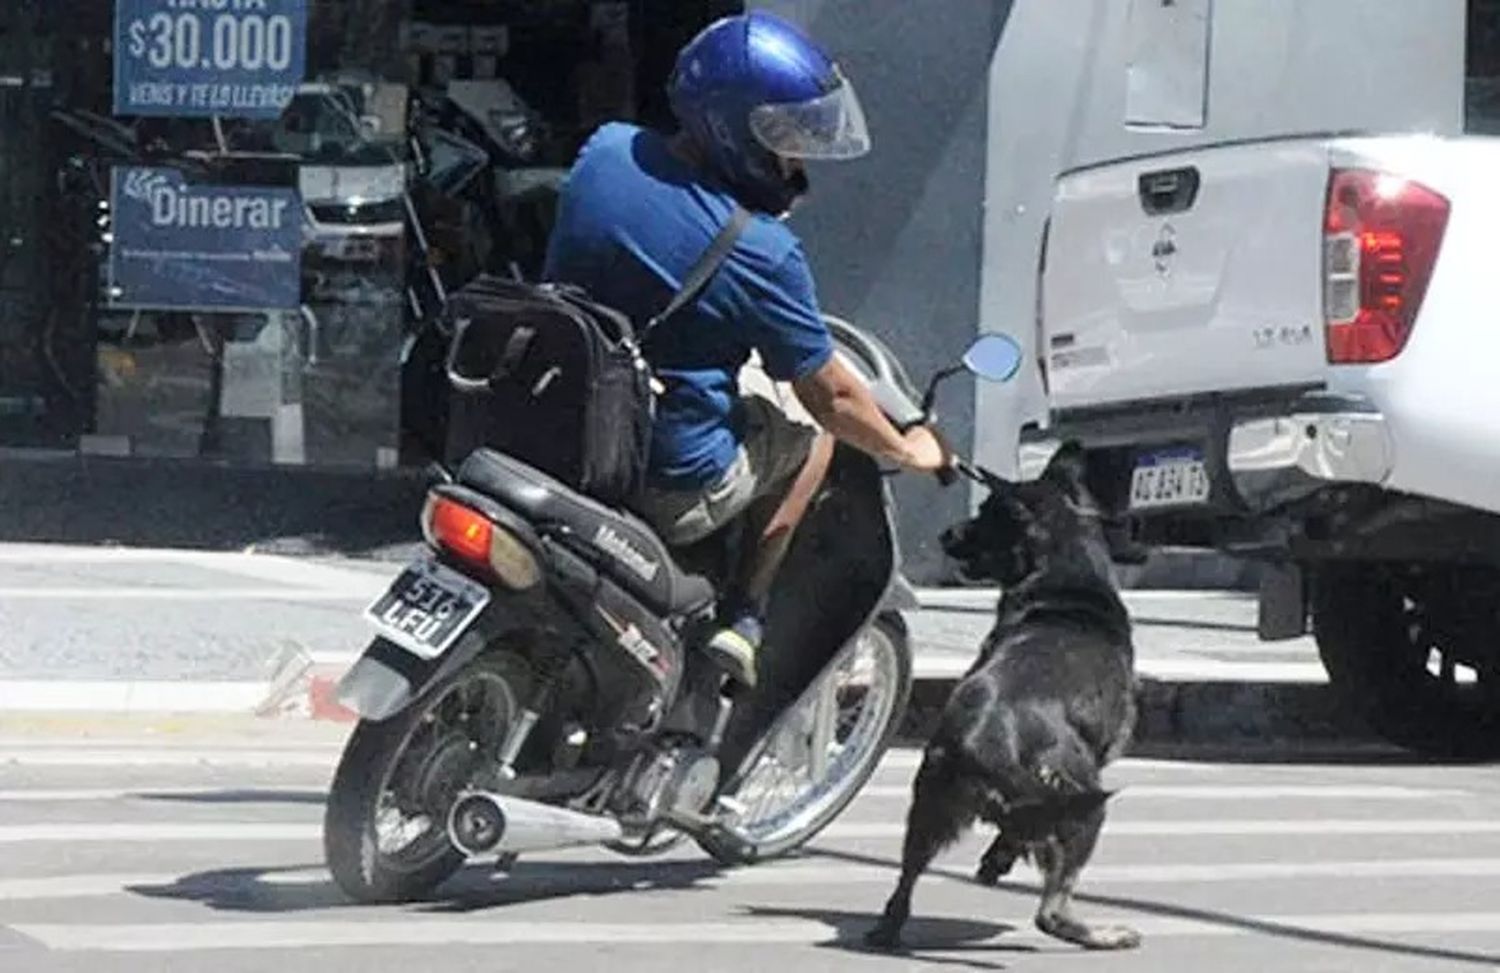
[(841, 404)]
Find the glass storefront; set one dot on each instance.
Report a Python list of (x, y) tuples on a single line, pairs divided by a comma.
[(1482, 68), (223, 223)]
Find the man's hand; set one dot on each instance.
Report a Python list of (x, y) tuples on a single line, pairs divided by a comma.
[(836, 398), (927, 451)]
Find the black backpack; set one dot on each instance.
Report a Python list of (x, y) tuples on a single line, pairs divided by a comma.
[(546, 374)]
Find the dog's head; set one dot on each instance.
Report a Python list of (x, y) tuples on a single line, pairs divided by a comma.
[(1051, 523)]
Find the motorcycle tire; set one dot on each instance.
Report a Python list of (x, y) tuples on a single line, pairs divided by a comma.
[(374, 750), (891, 629)]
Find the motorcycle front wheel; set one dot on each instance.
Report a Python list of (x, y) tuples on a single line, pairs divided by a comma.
[(815, 759), (385, 828)]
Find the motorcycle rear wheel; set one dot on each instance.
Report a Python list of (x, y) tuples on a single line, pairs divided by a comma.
[(405, 772), (822, 751)]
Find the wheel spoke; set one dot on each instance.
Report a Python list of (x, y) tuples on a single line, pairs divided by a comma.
[(407, 831), (824, 723), (824, 746)]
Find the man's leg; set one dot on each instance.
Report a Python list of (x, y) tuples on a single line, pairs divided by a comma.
[(789, 462), (776, 537)]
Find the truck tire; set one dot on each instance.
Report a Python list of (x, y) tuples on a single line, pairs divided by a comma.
[(1416, 651)]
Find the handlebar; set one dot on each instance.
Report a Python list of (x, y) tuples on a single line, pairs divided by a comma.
[(975, 472)]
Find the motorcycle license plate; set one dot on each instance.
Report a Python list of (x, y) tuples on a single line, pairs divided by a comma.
[(1169, 479), (427, 608)]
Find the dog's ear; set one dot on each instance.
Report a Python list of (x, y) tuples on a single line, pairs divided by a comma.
[(993, 545), (1008, 499), (1067, 468)]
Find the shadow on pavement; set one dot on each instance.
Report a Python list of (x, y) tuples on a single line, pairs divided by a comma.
[(305, 888), (926, 938), (1295, 754), (262, 890), (301, 888), (1224, 919)]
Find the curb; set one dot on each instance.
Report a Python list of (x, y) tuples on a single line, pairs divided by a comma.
[(1190, 569), (1199, 713), (1169, 713), (1237, 716)]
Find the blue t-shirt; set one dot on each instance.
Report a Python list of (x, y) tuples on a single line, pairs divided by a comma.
[(632, 222)]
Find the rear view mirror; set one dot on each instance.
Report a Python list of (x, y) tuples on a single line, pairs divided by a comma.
[(994, 357)]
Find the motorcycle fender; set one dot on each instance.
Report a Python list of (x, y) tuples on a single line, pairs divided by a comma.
[(900, 596), (387, 677), (373, 690)]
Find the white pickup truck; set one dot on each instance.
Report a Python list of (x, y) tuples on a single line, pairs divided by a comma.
[(1289, 349)]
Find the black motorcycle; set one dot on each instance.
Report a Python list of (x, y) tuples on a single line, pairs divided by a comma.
[(535, 682)]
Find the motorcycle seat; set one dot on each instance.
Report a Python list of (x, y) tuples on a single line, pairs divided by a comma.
[(638, 558)]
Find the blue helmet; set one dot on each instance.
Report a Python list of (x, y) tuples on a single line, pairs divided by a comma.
[(751, 90)]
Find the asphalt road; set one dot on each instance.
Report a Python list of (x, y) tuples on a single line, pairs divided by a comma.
[(192, 848)]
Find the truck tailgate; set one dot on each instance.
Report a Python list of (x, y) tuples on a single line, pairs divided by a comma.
[(1184, 274)]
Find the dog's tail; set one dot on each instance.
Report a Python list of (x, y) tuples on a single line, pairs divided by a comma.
[(1039, 790), (1033, 818)]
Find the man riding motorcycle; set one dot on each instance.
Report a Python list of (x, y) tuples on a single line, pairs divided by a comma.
[(755, 98)]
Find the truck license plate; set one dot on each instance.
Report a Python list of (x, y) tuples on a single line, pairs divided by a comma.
[(1169, 479), (427, 608)]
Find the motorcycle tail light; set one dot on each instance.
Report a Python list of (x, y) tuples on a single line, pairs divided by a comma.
[(479, 542)]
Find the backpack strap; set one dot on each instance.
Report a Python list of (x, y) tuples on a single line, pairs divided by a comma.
[(704, 270)]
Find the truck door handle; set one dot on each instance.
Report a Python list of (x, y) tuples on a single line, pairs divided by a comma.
[(1168, 190)]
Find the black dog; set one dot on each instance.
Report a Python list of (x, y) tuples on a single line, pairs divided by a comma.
[(1049, 703)]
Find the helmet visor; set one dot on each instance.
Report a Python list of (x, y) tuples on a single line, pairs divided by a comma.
[(831, 126)]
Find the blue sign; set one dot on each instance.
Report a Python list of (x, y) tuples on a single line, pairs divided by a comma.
[(203, 247), (199, 58)]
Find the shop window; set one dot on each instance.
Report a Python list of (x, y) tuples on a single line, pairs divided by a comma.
[(1482, 68), (463, 113)]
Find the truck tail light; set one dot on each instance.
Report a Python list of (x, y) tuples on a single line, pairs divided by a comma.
[(1381, 237)]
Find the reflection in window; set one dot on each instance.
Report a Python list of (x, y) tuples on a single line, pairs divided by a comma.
[(1482, 76)]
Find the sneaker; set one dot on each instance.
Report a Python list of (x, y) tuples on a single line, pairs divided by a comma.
[(734, 648)]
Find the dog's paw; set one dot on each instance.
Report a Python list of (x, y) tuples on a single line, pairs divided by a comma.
[(990, 871), (885, 936), (1112, 937), (1082, 934)]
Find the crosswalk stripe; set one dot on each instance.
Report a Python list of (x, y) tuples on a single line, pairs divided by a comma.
[(848, 830), (76, 886), (67, 757), (247, 794), (233, 831), (415, 930), (326, 755), (1140, 874), (1252, 792), (137, 594), (156, 831), (911, 758), (1130, 793), (542, 877)]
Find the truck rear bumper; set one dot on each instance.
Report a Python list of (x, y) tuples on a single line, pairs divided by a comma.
[(1274, 459), (1267, 454)]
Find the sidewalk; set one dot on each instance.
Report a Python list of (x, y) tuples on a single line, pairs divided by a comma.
[(117, 630)]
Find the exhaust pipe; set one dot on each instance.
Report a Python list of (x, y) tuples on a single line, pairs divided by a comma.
[(485, 824)]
